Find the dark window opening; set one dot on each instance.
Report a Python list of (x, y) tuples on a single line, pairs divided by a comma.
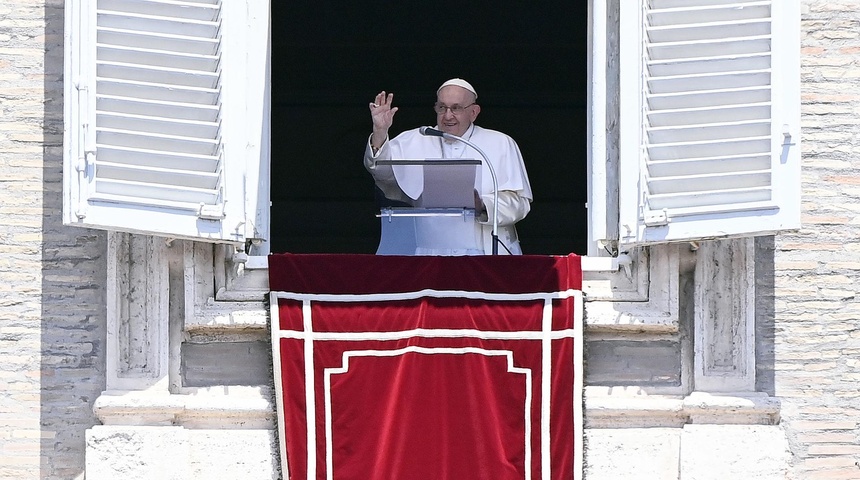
[(527, 60)]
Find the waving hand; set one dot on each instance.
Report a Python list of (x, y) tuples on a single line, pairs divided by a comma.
[(382, 114)]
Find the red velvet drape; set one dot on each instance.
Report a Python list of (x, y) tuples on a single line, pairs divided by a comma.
[(475, 382)]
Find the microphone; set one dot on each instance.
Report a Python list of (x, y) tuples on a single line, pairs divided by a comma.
[(432, 132)]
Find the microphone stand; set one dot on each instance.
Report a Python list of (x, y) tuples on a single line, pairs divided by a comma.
[(495, 233)]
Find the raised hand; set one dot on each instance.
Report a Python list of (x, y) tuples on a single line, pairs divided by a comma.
[(382, 115)]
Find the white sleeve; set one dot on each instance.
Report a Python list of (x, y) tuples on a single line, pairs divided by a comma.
[(513, 207), (383, 175), (515, 193)]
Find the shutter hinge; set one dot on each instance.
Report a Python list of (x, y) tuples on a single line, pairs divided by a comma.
[(211, 212), (656, 218)]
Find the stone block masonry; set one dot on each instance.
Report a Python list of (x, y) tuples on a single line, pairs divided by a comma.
[(817, 269), (51, 277)]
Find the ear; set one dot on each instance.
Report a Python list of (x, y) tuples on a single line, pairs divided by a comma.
[(476, 109)]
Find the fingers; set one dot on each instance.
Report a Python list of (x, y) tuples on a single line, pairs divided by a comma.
[(376, 101), (381, 105), (382, 113), (383, 100)]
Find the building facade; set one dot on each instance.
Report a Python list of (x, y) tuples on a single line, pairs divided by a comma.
[(146, 356)]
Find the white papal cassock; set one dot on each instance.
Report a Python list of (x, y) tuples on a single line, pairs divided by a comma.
[(406, 183)]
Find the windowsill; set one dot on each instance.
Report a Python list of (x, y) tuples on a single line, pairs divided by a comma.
[(625, 293), (605, 264), (589, 264)]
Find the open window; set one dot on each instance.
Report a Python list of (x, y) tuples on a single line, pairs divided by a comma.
[(526, 60), (168, 114)]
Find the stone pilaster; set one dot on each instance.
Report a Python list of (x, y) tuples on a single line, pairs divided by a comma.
[(724, 320)]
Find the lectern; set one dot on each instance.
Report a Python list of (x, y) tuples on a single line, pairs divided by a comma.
[(442, 220)]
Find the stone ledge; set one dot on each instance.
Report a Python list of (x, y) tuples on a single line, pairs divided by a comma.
[(214, 407), (604, 410), (624, 317), (629, 317), (600, 316), (249, 295), (252, 407), (623, 294), (217, 315)]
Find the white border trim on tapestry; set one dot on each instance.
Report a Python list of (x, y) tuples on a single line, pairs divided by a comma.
[(545, 335)]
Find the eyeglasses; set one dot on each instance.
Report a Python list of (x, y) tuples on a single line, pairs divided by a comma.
[(441, 108)]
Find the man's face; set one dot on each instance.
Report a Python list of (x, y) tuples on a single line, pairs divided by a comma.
[(449, 121)]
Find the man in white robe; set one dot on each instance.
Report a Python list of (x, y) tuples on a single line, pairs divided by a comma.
[(456, 110)]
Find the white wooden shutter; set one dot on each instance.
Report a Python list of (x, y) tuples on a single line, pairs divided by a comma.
[(147, 145), (709, 129)]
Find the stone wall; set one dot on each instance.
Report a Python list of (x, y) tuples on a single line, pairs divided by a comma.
[(816, 330), (51, 277)]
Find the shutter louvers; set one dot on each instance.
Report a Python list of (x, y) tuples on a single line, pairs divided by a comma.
[(707, 99), (164, 107), (718, 87), (158, 104)]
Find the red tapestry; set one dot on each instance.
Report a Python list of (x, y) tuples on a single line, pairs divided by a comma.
[(428, 367)]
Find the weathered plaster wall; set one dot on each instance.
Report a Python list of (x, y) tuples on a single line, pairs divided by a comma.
[(52, 324)]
